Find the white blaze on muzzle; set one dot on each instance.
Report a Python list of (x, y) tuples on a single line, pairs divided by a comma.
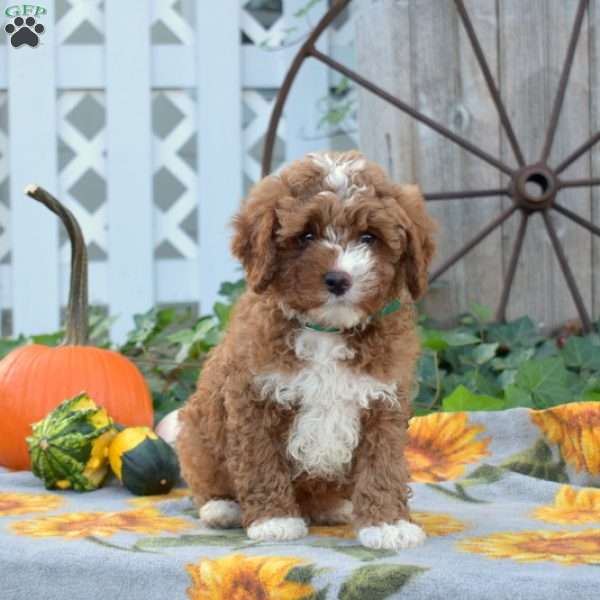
[(358, 261), (343, 311)]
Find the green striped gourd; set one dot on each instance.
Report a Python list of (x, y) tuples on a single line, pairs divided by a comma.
[(69, 447)]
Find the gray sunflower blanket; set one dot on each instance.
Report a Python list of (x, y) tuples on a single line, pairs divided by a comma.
[(508, 500)]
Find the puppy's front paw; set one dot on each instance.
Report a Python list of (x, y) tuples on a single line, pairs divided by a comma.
[(397, 536), (277, 529)]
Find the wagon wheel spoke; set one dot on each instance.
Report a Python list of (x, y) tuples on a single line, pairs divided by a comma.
[(577, 153), (512, 267), (286, 85), (415, 114), (569, 278), (489, 79), (577, 219), (472, 243), (580, 183), (564, 79), (466, 194)]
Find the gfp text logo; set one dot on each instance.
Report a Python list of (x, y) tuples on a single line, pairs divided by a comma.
[(25, 10)]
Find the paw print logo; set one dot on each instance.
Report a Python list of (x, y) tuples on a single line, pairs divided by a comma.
[(24, 31)]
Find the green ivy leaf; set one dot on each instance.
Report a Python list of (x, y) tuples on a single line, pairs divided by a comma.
[(591, 391), (514, 396), (48, 339), (462, 399), (482, 312), (546, 380), (223, 312), (99, 324), (440, 340), (581, 353), (484, 352), (189, 339), (148, 325), (576, 385), (507, 378), (377, 582), (512, 360), (213, 337), (546, 349), (426, 370), (459, 338), (478, 355), (231, 291), (478, 381), (521, 332)]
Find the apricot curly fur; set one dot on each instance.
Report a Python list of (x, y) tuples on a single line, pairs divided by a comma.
[(233, 442)]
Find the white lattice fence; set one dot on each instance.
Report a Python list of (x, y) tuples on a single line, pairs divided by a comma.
[(4, 214), (148, 120)]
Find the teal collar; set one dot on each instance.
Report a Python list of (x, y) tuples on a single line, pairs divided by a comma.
[(388, 309)]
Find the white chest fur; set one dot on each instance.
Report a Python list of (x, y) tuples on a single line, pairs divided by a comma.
[(329, 398)]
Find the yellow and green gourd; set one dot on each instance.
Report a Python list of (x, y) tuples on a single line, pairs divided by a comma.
[(143, 461), (69, 447)]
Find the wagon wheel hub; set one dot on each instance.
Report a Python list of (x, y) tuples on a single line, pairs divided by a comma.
[(534, 187)]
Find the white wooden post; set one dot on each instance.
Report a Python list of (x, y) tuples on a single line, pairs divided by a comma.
[(219, 148), (32, 156), (305, 104), (129, 169)]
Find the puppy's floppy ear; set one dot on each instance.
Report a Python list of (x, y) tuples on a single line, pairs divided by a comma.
[(420, 229), (254, 238)]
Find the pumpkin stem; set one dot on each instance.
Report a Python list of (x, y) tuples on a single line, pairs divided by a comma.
[(76, 333)]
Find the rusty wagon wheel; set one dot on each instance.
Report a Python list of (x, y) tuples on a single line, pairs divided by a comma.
[(545, 176)]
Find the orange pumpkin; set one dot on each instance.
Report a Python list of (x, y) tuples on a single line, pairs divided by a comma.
[(35, 379)]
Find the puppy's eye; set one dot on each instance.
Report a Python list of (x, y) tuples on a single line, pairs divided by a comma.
[(367, 238), (306, 238)]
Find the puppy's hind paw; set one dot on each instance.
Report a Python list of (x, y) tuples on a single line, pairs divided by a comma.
[(221, 514), (397, 536), (277, 529)]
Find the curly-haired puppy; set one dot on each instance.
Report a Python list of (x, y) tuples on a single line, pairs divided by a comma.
[(300, 414)]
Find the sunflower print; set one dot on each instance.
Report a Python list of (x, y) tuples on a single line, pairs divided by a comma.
[(571, 507), (157, 499), (237, 577), (438, 524), (100, 524), (576, 430), (12, 503), (342, 532), (440, 445), (563, 547), (434, 524)]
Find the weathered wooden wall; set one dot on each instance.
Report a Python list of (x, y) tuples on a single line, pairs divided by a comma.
[(419, 50)]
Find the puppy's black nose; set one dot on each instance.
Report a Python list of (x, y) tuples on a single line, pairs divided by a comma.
[(338, 282)]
